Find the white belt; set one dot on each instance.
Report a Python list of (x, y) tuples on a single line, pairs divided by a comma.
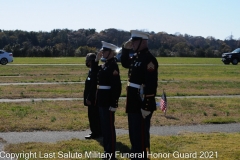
[(103, 87), (134, 85)]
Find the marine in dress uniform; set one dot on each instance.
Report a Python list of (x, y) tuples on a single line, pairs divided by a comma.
[(108, 93), (141, 90), (89, 99)]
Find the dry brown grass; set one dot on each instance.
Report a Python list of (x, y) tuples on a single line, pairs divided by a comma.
[(177, 80), (42, 91), (43, 73), (72, 115), (186, 88), (223, 146)]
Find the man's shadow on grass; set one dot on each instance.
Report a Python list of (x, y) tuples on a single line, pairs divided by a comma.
[(121, 147), (171, 117)]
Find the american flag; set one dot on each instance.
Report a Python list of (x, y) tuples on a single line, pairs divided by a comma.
[(163, 102)]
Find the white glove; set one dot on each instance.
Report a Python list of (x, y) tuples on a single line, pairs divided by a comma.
[(128, 44), (145, 113), (88, 102), (112, 109)]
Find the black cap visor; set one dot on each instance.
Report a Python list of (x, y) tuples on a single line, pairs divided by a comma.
[(105, 49), (136, 38)]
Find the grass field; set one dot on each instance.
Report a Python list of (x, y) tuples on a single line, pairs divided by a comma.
[(178, 76), (49, 115), (202, 146), (80, 60), (198, 76)]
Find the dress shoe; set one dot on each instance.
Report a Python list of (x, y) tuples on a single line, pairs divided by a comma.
[(92, 136)]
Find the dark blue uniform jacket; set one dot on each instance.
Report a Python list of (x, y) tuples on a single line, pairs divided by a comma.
[(108, 74), (143, 70)]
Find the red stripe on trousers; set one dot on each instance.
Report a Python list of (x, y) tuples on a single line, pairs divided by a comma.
[(111, 125), (143, 134)]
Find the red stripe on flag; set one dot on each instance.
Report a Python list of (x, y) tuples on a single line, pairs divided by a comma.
[(163, 103)]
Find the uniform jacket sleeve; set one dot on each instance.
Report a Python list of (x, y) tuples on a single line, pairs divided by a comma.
[(151, 83), (95, 66), (116, 86), (125, 60), (93, 87)]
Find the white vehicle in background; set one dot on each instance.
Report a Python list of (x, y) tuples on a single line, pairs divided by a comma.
[(5, 57)]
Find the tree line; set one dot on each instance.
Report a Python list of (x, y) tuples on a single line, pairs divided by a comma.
[(70, 43)]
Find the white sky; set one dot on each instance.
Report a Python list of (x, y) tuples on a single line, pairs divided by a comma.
[(217, 18)]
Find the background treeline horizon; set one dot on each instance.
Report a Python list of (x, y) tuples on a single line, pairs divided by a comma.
[(77, 43)]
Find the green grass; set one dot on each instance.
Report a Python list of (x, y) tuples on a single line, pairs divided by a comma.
[(184, 88), (178, 76), (79, 60), (177, 80), (204, 146), (46, 60), (42, 91), (50, 115), (167, 72)]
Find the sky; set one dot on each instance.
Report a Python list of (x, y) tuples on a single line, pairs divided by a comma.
[(216, 18)]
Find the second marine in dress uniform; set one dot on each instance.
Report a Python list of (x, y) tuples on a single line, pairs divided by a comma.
[(108, 93), (141, 90)]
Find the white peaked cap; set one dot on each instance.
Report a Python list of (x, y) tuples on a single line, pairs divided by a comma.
[(139, 34), (109, 46)]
